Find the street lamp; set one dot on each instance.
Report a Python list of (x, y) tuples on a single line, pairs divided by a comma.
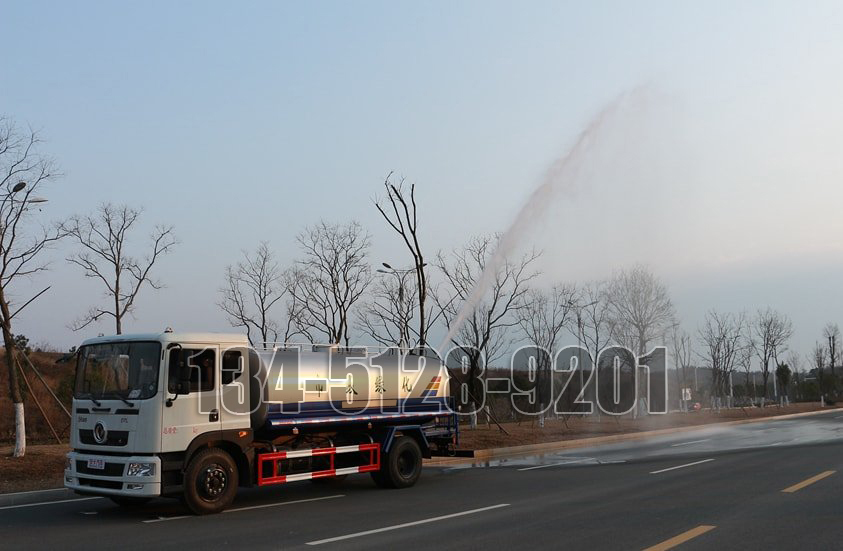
[(20, 187)]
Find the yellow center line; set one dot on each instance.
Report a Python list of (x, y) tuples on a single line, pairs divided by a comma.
[(681, 538), (808, 482)]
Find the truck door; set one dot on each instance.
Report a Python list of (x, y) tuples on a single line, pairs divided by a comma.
[(186, 416), (234, 389)]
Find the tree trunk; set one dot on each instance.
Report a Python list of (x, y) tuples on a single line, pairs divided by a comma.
[(117, 314), (14, 385), (20, 430), (422, 284)]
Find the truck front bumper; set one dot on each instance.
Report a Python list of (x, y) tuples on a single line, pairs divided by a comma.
[(83, 476)]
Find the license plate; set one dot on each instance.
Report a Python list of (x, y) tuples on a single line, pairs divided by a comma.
[(96, 464)]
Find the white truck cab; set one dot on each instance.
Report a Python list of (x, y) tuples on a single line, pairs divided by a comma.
[(135, 403)]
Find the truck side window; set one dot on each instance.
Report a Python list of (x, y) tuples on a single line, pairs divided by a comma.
[(203, 368), (231, 366)]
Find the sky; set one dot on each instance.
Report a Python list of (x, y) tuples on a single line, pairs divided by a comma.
[(242, 122)]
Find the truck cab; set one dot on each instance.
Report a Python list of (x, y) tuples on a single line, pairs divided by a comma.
[(140, 401)]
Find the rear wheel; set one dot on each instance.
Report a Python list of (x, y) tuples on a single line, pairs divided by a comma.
[(402, 466), (210, 482)]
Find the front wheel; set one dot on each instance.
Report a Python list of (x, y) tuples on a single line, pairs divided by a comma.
[(210, 482), (402, 466)]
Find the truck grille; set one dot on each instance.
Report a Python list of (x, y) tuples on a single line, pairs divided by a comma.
[(111, 469), (113, 438)]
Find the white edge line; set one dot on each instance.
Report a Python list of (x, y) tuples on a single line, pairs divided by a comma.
[(34, 492), (22, 505), (682, 466), (557, 464), (162, 519), (689, 443), (407, 524), (264, 506)]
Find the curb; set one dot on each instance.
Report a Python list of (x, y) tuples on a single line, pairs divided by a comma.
[(490, 453)]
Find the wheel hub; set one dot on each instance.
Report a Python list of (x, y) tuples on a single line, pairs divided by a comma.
[(405, 464), (213, 481)]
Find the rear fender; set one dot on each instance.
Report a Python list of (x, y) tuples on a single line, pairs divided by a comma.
[(412, 431)]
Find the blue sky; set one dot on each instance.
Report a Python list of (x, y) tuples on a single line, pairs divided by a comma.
[(238, 122)]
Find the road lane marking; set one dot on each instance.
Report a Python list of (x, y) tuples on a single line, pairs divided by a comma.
[(689, 443), (264, 506), (47, 503), (808, 482), (249, 508), (557, 464), (33, 492), (407, 524), (681, 466), (681, 538), (162, 519)]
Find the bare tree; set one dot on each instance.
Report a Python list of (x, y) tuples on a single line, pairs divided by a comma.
[(770, 333), (721, 337), (682, 347), (387, 316), (543, 316), (253, 288), (103, 237), (329, 280), (832, 334), (23, 170), (794, 360), (593, 328), (745, 357), (483, 333), (401, 213), (817, 358), (640, 308)]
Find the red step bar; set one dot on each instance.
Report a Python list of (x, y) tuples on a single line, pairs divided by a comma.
[(374, 463)]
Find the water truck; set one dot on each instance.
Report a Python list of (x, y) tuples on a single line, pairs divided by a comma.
[(196, 416)]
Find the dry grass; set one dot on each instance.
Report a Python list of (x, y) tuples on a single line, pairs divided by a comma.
[(41, 468), (60, 379)]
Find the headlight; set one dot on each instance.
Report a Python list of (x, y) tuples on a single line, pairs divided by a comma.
[(141, 469)]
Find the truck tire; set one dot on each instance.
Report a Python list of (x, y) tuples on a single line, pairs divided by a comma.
[(130, 502), (402, 466), (210, 482)]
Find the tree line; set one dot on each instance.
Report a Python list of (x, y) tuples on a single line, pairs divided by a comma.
[(334, 293)]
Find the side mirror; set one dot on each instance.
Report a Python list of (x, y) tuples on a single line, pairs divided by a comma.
[(180, 379)]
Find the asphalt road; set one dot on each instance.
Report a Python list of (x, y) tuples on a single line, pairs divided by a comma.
[(766, 485)]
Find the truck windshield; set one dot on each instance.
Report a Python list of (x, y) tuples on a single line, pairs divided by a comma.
[(122, 370)]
